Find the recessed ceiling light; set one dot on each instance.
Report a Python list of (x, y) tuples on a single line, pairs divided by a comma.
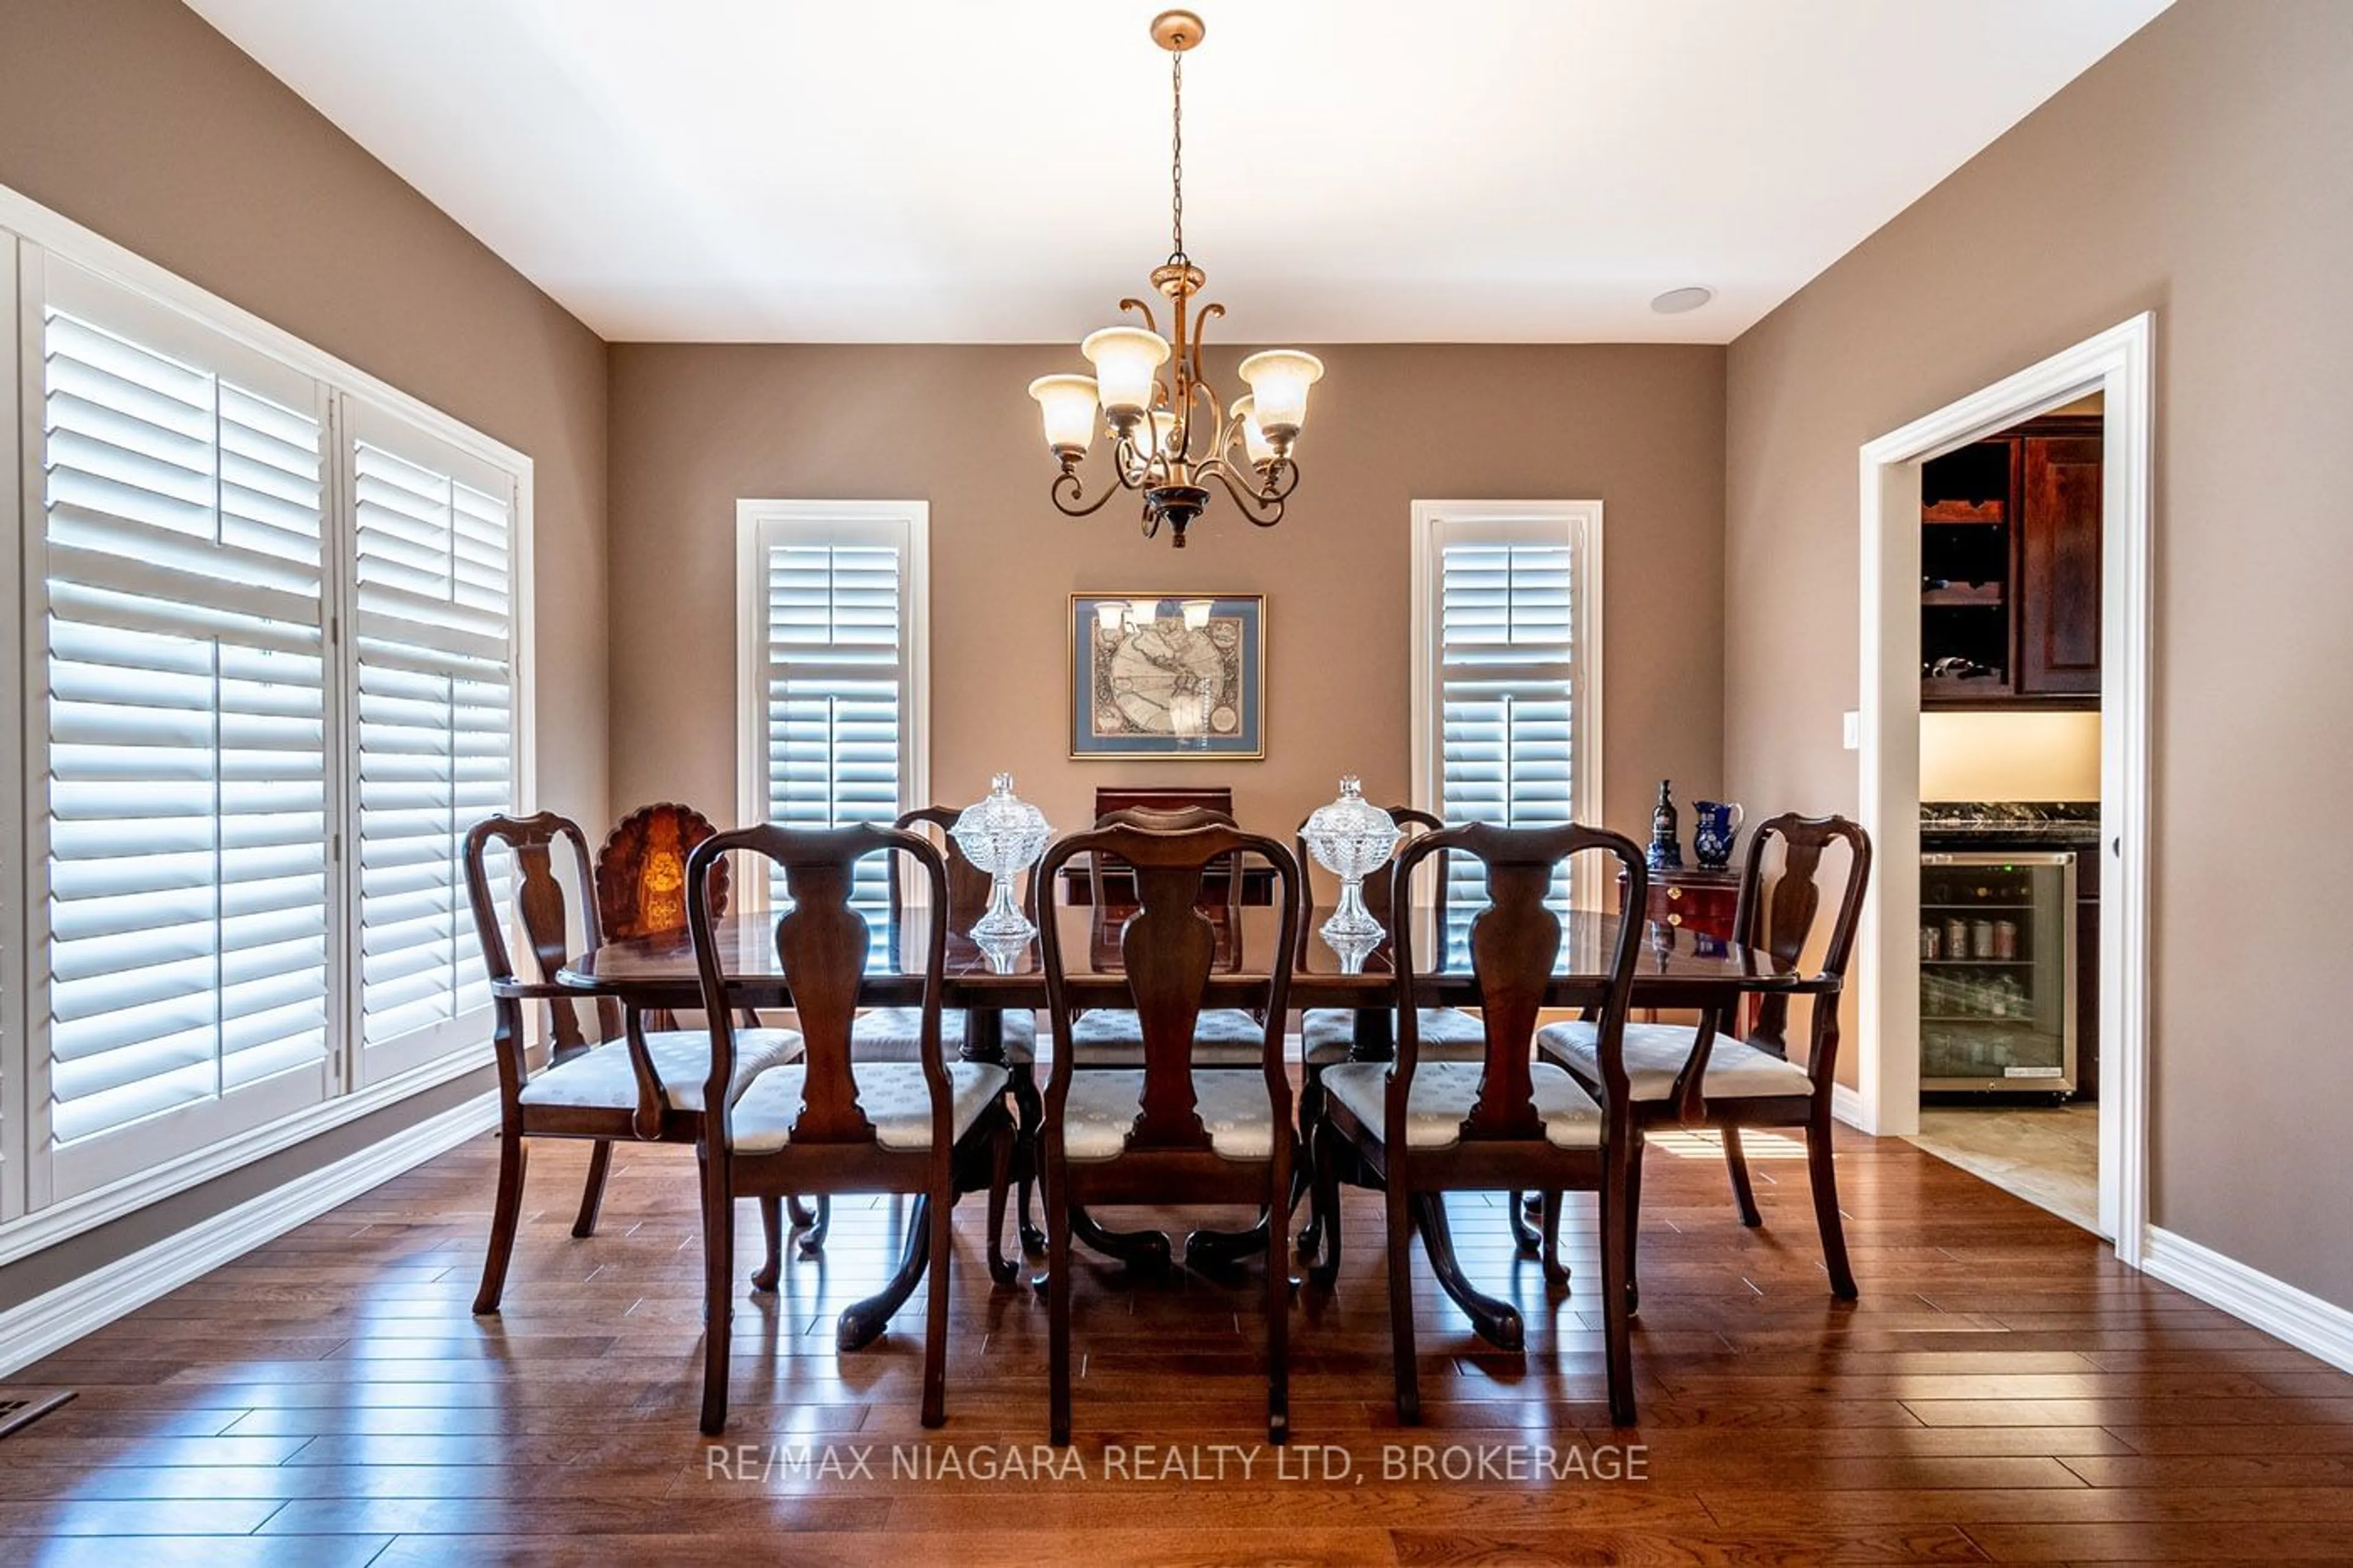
[(1675, 301)]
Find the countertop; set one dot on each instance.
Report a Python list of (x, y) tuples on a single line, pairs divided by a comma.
[(2062, 823)]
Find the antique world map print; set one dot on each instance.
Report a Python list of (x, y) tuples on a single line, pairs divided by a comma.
[(1150, 680)]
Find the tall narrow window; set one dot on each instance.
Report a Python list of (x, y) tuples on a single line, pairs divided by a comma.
[(1506, 709), (433, 666), (833, 668), (186, 824)]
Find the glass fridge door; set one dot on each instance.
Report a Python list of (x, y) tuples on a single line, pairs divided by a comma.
[(1996, 938)]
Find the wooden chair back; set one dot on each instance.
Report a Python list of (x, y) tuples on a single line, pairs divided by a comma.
[(642, 872), (1411, 822), (1168, 950), (1110, 798), (540, 908), (1780, 920), (822, 944), (1514, 946), (968, 885), (1221, 891), (1227, 887)]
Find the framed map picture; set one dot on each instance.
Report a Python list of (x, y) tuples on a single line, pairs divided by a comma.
[(1168, 676)]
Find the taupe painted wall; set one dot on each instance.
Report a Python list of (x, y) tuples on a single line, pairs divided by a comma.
[(136, 118), (2204, 171), (695, 428)]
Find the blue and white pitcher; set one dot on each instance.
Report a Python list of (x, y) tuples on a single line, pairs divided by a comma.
[(1715, 825)]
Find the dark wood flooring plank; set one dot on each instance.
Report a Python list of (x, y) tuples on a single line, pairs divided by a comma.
[(2003, 1390)]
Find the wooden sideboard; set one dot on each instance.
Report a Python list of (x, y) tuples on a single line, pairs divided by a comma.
[(1701, 901)]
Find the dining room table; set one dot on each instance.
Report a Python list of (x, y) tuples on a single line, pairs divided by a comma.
[(1676, 968)]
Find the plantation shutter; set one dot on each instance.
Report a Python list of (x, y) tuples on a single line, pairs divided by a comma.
[(834, 649), (1507, 687), (433, 672), (184, 830)]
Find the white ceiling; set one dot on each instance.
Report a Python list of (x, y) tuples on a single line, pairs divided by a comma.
[(1356, 170)]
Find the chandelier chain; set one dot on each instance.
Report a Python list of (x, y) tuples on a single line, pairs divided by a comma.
[(1177, 159)]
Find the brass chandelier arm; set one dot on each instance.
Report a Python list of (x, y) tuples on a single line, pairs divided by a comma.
[(1143, 309), (1069, 480), (1204, 392), (1263, 508), (1200, 329)]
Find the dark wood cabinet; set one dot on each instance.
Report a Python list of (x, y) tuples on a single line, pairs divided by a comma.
[(2009, 559), (1704, 901), (2059, 566)]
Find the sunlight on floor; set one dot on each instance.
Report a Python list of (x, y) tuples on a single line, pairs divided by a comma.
[(1689, 1144)]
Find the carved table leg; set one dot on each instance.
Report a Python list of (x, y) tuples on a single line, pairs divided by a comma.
[(1224, 1248), (862, 1323), (983, 1041), (1522, 1208), (1142, 1249), (1497, 1322)]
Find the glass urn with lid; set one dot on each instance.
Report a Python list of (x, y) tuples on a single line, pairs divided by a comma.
[(1353, 838), (1003, 835)]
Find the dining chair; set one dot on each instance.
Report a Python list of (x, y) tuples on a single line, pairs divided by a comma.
[(1178, 1131), (1114, 1037), (1328, 1034), (645, 1085), (1708, 1076), (934, 1128), (642, 893), (889, 1034), (1416, 1131)]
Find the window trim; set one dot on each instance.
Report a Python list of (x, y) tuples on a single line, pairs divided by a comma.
[(29, 233), (15, 1061), (752, 518), (1581, 525)]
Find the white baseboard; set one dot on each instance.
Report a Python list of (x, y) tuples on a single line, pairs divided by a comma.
[(2312, 1325), (47, 1324), (1848, 1106)]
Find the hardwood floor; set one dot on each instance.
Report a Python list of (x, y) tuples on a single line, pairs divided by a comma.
[(2003, 1392)]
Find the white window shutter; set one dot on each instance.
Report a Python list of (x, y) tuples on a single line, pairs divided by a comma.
[(834, 668), (187, 817), (432, 671), (1503, 614), (181, 977)]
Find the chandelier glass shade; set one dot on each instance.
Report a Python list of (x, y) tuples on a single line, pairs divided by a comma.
[(1170, 435)]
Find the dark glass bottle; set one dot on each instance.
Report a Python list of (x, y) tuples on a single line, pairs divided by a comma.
[(1666, 853)]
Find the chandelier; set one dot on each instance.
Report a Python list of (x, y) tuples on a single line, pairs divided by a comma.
[(1170, 435)]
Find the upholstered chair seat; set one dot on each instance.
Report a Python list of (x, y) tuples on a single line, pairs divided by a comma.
[(1448, 1034), (895, 1096), (888, 1034), (1231, 1102), (1444, 1092), (1656, 1054), (602, 1077), (1114, 1037)]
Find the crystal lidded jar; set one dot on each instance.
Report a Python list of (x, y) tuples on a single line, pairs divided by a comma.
[(1003, 835), (1353, 838)]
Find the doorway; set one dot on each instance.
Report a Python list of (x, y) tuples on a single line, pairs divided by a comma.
[(2114, 366)]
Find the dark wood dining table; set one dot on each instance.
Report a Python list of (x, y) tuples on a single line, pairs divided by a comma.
[(1677, 968)]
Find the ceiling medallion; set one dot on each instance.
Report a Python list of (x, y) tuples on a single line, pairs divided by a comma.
[(1171, 436)]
